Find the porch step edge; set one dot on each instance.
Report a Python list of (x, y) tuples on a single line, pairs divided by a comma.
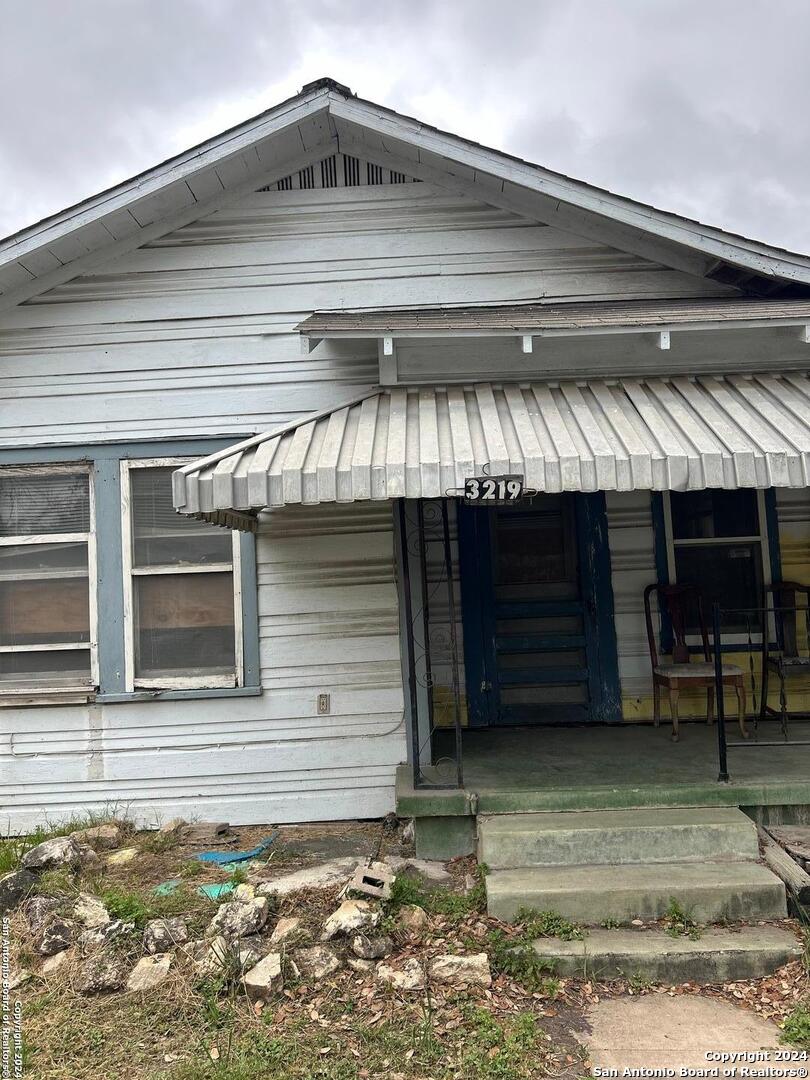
[(617, 837), (708, 891), (718, 955)]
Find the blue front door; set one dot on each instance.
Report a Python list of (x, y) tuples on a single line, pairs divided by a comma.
[(539, 635)]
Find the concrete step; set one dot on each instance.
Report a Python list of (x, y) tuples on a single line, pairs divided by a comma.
[(653, 955), (708, 891), (610, 837)]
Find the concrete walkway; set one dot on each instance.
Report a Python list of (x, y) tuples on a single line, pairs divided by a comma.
[(662, 1032)]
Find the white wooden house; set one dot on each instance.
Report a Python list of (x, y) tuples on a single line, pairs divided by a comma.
[(312, 330)]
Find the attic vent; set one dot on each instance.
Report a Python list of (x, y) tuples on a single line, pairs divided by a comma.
[(351, 171), (339, 170)]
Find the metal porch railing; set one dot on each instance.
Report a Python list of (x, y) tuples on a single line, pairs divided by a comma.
[(764, 635)]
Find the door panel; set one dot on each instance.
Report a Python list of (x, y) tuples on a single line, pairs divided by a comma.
[(532, 590), (535, 578)]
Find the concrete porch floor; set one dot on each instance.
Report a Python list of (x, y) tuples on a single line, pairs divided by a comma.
[(517, 770)]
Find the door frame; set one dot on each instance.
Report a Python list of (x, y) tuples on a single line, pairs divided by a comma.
[(478, 611)]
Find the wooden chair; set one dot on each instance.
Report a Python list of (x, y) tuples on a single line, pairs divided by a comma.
[(792, 654), (681, 672)]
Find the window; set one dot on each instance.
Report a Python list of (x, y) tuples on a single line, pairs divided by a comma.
[(717, 540), (182, 604), (47, 579)]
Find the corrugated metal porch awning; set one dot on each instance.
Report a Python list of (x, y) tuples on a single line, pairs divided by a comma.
[(611, 435)]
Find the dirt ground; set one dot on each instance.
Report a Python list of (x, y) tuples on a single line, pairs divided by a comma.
[(348, 1026)]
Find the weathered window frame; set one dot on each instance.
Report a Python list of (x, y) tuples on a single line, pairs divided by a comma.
[(762, 538), (33, 693), (209, 682)]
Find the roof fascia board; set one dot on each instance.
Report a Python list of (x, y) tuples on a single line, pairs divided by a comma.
[(752, 255), (563, 331), (538, 207), (95, 259), (214, 152)]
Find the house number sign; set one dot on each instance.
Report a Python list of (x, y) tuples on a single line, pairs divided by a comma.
[(493, 489)]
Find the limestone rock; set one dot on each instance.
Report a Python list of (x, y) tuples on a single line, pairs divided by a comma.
[(162, 935), (101, 973), (89, 861), (104, 837), (323, 876), (409, 977), (412, 919), (39, 910), (90, 912), (122, 857), (250, 952), (53, 963), (56, 935), (244, 892), (14, 887), (219, 957), (173, 826), (362, 967), (52, 854), (461, 971), (286, 930), (223, 955), (265, 979), (236, 919), (372, 948), (19, 978), (196, 950), (316, 963), (102, 935), (149, 972), (352, 915), (426, 871)]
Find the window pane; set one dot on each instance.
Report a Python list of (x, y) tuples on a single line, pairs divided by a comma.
[(728, 574), (53, 668), (185, 625), (40, 612), (700, 515), (43, 560), (161, 536), (44, 594), (44, 503)]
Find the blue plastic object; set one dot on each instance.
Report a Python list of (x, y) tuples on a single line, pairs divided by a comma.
[(225, 858)]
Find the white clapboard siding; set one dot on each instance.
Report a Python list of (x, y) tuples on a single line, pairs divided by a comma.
[(328, 624), (193, 333)]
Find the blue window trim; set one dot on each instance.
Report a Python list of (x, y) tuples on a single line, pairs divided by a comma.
[(662, 566), (106, 458)]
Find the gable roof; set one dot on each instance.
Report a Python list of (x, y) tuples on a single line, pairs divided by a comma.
[(326, 117)]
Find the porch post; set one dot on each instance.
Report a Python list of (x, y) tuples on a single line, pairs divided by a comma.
[(410, 577)]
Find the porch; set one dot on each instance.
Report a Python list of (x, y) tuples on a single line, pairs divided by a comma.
[(519, 770)]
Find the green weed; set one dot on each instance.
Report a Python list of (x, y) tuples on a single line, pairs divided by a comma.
[(796, 1028), (548, 924), (436, 901), (679, 921)]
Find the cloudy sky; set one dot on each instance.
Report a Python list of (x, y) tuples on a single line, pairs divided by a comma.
[(698, 106)]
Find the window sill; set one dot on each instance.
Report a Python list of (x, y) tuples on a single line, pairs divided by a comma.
[(179, 695), (64, 696)]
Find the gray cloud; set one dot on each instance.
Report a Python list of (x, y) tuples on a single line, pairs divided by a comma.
[(694, 106)]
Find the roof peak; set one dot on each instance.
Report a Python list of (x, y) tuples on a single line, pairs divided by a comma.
[(327, 84)]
